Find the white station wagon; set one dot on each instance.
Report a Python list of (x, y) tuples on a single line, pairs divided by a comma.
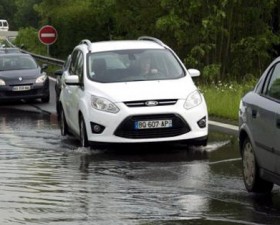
[(131, 91)]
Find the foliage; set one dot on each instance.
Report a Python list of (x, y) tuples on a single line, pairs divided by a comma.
[(226, 40), (25, 15), (223, 98), (29, 37), (7, 10)]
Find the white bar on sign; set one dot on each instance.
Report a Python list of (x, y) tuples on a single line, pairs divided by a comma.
[(48, 35)]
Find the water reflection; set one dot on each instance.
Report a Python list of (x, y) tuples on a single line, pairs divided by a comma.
[(46, 179)]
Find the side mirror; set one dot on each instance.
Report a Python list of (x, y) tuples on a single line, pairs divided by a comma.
[(194, 72), (72, 80), (44, 66), (58, 72)]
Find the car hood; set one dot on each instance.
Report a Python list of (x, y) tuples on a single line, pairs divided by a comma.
[(12, 76), (144, 90)]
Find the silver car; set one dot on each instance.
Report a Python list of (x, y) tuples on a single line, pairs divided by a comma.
[(259, 132)]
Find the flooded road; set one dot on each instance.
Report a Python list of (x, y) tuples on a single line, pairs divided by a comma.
[(47, 179)]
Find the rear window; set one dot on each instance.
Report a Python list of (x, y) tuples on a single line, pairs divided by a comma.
[(133, 65)]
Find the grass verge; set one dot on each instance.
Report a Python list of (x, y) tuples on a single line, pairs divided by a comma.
[(223, 99)]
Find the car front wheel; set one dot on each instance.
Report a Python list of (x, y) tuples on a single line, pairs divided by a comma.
[(83, 134), (252, 180), (46, 99), (63, 123)]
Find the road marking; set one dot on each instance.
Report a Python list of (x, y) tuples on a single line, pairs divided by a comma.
[(219, 124)]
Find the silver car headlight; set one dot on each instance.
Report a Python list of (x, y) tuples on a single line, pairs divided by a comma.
[(193, 100), (103, 104), (2, 82), (41, 79)]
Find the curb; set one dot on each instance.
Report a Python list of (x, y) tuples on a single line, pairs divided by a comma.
[(223, 127)]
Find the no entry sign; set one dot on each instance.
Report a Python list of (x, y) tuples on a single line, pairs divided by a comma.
[(47, 35)]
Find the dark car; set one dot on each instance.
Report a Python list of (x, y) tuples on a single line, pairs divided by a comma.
[(22, 78), (259, 132), (5, 50), (58, 74)]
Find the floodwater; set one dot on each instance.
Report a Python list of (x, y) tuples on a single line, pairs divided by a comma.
[(47, 179)]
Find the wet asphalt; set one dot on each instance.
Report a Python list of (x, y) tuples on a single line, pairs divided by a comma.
[(49, 179)]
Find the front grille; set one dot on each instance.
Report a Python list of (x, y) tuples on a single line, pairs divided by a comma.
[(21, 93), (145, 103), (126, 128)]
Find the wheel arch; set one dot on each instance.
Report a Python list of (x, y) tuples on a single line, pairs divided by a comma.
[(242, 137)]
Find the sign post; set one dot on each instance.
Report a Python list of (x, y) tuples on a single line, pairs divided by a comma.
[(47, 35)]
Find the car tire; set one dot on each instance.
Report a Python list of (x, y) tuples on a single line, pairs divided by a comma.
[(46, 99), (83, 133), (63, 123), (250, 169)]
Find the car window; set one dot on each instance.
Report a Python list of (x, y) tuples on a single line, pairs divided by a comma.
[(72, 66), (67, 63), (133, 65), (79, 65), (17, 62), (76, 64), (272, 84)]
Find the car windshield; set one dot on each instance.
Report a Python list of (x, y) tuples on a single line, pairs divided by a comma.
[(133, 65), (17, 62)]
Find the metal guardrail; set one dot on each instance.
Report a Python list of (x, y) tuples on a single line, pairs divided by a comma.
[(45, 59), (8, 34)]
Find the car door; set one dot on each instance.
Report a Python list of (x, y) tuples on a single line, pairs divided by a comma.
[(273, 94), (267, 120), (73, 92)]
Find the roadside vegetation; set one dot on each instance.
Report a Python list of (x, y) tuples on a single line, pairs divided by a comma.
[(223, 99), (230, 42)]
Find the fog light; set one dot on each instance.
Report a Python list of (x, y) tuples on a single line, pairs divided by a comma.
[(96, 128), (202, 122)]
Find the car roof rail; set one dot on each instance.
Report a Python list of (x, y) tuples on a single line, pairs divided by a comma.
[(148, 38), (86, 42)]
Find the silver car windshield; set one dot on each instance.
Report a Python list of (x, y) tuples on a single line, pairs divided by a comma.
[(18, 62), (133, 65)]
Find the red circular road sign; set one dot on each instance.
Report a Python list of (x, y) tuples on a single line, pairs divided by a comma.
[(47, 35)]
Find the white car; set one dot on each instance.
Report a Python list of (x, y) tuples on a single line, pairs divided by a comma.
[(131, 91), (4, 26)]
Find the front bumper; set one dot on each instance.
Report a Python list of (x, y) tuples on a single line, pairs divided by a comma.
[(119, 128), (36, 91)]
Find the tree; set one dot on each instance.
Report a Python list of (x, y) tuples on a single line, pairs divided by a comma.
[(7, 9), (25, 9), (224, 39)]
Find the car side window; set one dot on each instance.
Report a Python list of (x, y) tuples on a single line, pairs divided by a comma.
[(273, 84), (72, 66), (77, 64)]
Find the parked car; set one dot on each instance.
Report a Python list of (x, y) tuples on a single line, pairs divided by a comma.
[(58, 82), (22, 78), (4, 26), (5, 50), (134, 91), (259, 132)]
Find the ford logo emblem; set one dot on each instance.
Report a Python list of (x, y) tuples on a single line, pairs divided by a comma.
[(20, 78), (151, 103)]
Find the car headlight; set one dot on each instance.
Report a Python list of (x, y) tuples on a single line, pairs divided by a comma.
[(103, 104), (41, 79), (193, 100), (2, 82)]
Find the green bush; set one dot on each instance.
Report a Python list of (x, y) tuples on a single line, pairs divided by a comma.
[(223, 99)]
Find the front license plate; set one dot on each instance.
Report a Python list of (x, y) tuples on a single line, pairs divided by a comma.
[(151, 124), (21, 88)]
